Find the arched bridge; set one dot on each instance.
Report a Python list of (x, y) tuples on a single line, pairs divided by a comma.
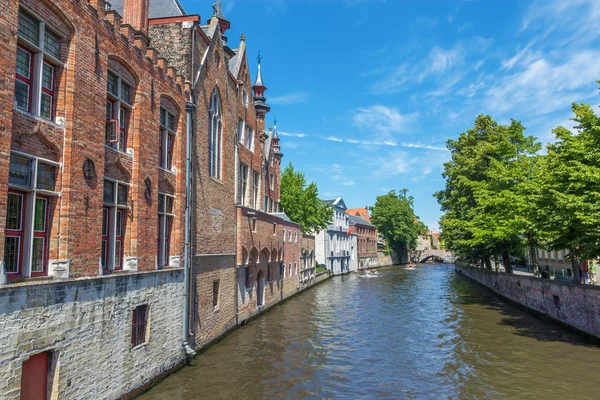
[(421, 256)]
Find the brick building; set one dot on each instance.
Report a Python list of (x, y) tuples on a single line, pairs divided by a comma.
[(366, 242), (92, 196)]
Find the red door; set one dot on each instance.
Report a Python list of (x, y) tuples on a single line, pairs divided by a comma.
[(34, 377)]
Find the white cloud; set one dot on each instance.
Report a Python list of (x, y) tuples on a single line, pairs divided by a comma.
[(290, 98), (291, 134), (334, 139), (383, 121), (422, 146)]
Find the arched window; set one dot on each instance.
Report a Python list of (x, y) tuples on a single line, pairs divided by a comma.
[(215, 136)]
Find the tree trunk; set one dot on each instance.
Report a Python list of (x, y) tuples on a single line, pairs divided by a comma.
[(575, 268), (507, 265), (488, 263), (533, 255)]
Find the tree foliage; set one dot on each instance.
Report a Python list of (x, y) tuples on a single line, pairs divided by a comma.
[(487, 204), (393, 215), (301, 202), (569, 206)]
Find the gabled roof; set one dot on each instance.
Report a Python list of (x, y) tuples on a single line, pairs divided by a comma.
[(336, 203), (356, 220), (157, 8)]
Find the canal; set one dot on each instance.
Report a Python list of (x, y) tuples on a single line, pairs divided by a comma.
[(422, 334)]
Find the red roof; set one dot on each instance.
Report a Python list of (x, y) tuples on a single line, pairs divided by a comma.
[(360, 212)]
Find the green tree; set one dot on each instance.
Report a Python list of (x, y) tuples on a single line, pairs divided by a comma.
[(486, 199), (569, 206), (301, 203), (393, 215)]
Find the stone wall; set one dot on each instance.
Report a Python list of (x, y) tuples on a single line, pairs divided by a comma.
[(385, 260), (574, 305), (87, 325)]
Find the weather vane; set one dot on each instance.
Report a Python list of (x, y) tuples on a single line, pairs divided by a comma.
[(259, 58)]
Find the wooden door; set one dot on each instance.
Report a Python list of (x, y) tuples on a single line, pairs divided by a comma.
[(34, 377)]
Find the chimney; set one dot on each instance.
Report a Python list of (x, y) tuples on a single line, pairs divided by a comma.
[(135, 13)]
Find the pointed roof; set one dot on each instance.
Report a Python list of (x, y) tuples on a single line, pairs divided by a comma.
[(361, 212), (156, 8), (337, 203), (259, 80), (275, 134)]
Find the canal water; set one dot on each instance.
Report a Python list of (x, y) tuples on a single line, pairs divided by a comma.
[(422, 334)]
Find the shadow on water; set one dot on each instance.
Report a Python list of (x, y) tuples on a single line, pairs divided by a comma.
[(525, 322)]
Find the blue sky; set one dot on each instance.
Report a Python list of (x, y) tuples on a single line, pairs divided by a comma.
[(367, 92)]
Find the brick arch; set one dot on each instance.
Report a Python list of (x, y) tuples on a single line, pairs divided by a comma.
[(170, 104), (253, 258), (244, 256), (274, 255), (265, 256), (122, 68), (52, 15)]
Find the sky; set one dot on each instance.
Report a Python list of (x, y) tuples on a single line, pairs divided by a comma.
[(367, 92)]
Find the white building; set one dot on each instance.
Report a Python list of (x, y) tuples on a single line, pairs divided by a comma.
[(333, 245)]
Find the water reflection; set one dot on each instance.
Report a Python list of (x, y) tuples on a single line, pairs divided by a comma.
[(427, 333)]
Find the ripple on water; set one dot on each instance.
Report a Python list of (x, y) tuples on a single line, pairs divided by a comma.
[(424, 334)]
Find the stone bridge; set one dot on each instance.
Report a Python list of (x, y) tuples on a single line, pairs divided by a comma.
[(421, 256)]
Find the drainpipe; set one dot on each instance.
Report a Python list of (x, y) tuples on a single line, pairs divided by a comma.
[(189, 109)]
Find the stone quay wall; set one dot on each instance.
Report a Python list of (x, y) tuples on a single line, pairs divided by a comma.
[(87, 326), (577, 306), (386, 260)]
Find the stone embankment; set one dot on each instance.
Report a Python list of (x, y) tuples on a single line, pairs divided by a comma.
[(387, 259), (577, 306)]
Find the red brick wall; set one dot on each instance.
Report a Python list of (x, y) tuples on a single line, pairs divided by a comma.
[(76, 221)]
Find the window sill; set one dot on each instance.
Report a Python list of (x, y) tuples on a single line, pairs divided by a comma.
[(16, 280), (39, 118), (170, 171), (140, 346), (215, 180), (128, 153)]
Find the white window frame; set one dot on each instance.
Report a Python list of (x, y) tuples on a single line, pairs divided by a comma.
[(249, 138), (284, 235), (243, 183), (113, 207), (40, 55), (163, 218), (31, 194), (255, 189), (169, 133), (215, 137)]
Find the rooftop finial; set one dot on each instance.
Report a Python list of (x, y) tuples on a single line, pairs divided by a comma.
[(242, 37), (259, 58), (218, 10), (275, 121)]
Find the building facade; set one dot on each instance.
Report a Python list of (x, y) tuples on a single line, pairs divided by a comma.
[(333, 245), (366, 237), (92, 202)]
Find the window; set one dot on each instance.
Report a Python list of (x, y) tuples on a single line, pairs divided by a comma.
[(283, 235), (114, 224), (290, 236), (290, 269), (245, 97), (165, 227), (118, 111), (139, 324), (271, 181), (295, 268), (255, 187), (295, 237), (249, 138), (241, 131), (215, 295), (38, 55), (167, 139), (243, 185), (215, 136), (31, 181), (266, 204)]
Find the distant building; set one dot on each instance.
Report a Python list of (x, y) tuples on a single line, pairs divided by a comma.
[(366, 237), (334, 244)]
